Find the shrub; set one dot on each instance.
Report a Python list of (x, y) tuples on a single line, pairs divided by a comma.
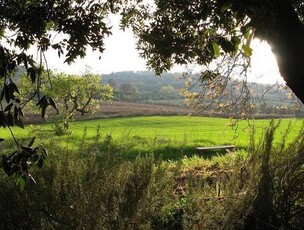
[(92, 190), (279, 202), (59, 125)]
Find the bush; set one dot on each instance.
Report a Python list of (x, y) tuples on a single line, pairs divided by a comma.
[(60, 125), (261, 189), (92, 190), (279, 203)]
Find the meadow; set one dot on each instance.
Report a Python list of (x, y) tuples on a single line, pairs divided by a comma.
[(171, 137), (143, 173)]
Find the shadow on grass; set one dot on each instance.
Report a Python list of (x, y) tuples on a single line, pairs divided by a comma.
[(170, 153)]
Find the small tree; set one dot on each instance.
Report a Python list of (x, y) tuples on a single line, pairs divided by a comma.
[(71, 94), (128, 89), (113, 83), (168, 89)]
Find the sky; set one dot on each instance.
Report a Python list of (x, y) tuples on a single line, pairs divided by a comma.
[(121, 55)]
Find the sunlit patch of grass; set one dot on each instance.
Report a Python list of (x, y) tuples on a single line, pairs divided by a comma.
[(169, 136)]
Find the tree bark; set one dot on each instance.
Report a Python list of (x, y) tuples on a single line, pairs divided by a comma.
[(285, 35)]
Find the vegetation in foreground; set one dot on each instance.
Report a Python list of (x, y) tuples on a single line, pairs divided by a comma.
[(94, 187)]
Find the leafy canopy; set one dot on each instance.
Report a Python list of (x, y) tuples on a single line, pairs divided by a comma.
[(184, 32), (37, 23), (71, 94), (216, 34)]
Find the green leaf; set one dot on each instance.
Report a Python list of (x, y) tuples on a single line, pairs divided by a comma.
[(246, 31), (19, 122), (43, 103), (40, 163), (21, 182), (226, 6), (10, 119), (216, 49), (235, 40), (52, 103), (8, 107), (13, 87), (7, 93), (43, 109), (226, 45), (31, 142), (32, 73), (247, 50)]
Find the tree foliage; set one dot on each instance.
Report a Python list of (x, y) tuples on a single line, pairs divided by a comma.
[(167, 89), (128, 89), (71, 94), (77, 94), (185, 32), (25, 24)]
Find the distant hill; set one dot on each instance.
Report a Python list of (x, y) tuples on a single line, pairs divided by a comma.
[(148, 88), (145, 87), (145, 80)]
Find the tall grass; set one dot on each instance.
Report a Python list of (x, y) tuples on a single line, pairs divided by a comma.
[(95, 186), (94, 189), (279, 203)]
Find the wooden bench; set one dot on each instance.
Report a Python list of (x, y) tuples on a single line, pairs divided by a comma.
[(228, 148)]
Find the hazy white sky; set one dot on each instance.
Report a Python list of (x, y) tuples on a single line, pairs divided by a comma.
[(121, 55), (264, 64)]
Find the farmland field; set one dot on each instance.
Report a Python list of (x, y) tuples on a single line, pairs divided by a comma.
[(148, 133)]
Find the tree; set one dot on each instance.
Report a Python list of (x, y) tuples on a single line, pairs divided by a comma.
[(167, 89), (169, 32), (128, 89), (25, 24), (182, 32), (113, 83), (71, 94)]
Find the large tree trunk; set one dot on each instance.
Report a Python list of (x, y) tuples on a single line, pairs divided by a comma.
[(285, 35)]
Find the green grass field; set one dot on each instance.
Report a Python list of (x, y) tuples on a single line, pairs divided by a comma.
[(146, 134), (141, 172)]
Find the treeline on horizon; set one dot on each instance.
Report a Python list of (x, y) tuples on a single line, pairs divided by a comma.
[(146, 87)]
